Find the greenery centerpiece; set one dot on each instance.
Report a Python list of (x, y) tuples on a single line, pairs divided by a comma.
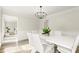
[(46, 30)]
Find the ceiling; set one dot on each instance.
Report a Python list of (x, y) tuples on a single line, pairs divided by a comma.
[(29, 11)]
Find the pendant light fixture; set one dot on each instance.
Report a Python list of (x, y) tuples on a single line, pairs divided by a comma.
[(41, 14)]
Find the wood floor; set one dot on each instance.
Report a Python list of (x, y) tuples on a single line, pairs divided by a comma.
[(23, 47)]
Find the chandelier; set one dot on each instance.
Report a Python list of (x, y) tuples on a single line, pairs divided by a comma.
[(41, 14)]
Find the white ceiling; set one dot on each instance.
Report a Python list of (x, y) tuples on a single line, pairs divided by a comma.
[(31, 10)]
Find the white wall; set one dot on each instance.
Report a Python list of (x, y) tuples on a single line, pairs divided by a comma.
[(26, 24), (65, 21), (0, 26)]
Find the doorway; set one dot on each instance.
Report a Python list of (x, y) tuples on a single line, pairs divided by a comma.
[(9, 29)]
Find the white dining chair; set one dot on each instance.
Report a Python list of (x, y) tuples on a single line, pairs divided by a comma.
[(35, 42), (72, 50)]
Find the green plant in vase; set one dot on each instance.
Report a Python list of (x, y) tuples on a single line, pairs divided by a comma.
[(46, 30)]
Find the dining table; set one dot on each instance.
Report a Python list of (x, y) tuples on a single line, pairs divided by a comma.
[(63, 41)]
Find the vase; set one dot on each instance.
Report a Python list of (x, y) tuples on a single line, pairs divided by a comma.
[(47, 34)]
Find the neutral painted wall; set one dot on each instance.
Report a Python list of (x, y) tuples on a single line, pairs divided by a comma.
[(26, 24), (0, 26), (65, 21)]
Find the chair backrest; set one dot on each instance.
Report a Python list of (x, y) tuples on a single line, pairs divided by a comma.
[(29, 36), (75, 45), (34, 40)]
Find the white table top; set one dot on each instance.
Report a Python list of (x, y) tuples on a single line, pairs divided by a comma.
[(64, 41)]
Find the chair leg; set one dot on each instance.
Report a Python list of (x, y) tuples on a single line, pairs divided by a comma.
[(55, 48), (33, 50), (58, 51)]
